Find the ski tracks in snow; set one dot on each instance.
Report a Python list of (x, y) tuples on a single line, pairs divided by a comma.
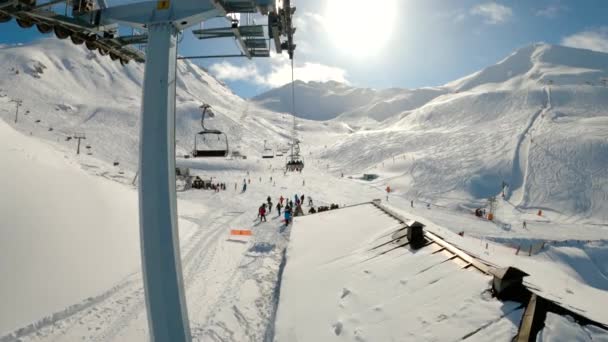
[(108, 318), (522, 152)]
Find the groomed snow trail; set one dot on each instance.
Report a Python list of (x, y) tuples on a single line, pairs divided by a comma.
[(522, 152)]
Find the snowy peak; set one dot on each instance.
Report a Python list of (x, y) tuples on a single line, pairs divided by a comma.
[(328, 100), (541, 63), (529, 66), (315, 100)]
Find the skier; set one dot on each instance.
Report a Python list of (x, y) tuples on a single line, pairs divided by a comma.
[(309, 201), (287, 215), (302, 199), (525, 225), (281, 199), (263, 212), (269, 205), (279, 206), (303, 182), (244, 187), (268, 199), (412, 203), (299, 211)]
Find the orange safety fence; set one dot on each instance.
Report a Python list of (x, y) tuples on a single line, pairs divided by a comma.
[(245, 232)]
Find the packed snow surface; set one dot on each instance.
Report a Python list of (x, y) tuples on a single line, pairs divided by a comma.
[(336, 286)]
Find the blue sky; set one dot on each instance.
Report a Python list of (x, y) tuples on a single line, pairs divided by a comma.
[(399, 43)]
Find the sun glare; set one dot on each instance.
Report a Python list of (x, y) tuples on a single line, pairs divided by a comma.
[(360, 28)]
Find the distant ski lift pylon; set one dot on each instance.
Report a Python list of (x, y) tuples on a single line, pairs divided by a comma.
[(209, 137), (268, 152)]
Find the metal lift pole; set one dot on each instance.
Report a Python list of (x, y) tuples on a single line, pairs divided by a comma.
[(161, 261)]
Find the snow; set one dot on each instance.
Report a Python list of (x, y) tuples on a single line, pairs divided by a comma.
[(450, 147), (56, 230), (566, 329), (358, 106), (335, 286)]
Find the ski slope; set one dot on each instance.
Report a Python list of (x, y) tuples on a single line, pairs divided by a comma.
[(229, 284), (531, 121)]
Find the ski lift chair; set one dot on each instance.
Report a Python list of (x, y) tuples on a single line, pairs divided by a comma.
[(220, 151), (296, 164), (268, 153)]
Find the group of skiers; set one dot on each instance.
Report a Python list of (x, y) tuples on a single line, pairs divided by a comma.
[(290, 207), (198, 183)]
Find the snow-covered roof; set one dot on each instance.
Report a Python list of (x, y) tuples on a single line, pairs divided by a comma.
[(348, 276), (334, 284)]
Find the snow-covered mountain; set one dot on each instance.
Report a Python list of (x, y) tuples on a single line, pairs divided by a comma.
[(70, 89), (536, 120), (328, 100)]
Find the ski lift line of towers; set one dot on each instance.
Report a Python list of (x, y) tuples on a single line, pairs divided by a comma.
[(78, 136)]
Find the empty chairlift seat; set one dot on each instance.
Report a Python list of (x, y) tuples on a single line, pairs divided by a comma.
[(210, 143)]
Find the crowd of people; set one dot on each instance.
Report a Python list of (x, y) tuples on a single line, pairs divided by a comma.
[(291, 207), (288, 207), (199, 183)]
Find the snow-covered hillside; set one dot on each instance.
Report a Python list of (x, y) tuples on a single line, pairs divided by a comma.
[(328, 100), (532, 121), (70, 89), (61, 227)]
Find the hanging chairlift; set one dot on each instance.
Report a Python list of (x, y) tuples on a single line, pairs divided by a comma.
[(200, 139), (295, 162), (220, 151), (268, 152)]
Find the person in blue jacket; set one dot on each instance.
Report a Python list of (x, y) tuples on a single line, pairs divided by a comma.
[(287, 214)]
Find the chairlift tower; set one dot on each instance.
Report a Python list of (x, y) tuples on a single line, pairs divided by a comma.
[(79, 137), (162, 20), (18, 104)]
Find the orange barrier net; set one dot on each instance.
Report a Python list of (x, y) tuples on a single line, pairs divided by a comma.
[(246, 232)]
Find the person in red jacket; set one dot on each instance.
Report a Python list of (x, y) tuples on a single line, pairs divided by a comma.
[(263, 213)]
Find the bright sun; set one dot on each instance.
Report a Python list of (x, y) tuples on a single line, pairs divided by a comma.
[(360, 28)]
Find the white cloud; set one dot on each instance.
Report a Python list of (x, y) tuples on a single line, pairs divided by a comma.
[(279, 73), (551, 11), (309, 27), (308, 71), (596, 40), (230, 72), (493, 13)]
